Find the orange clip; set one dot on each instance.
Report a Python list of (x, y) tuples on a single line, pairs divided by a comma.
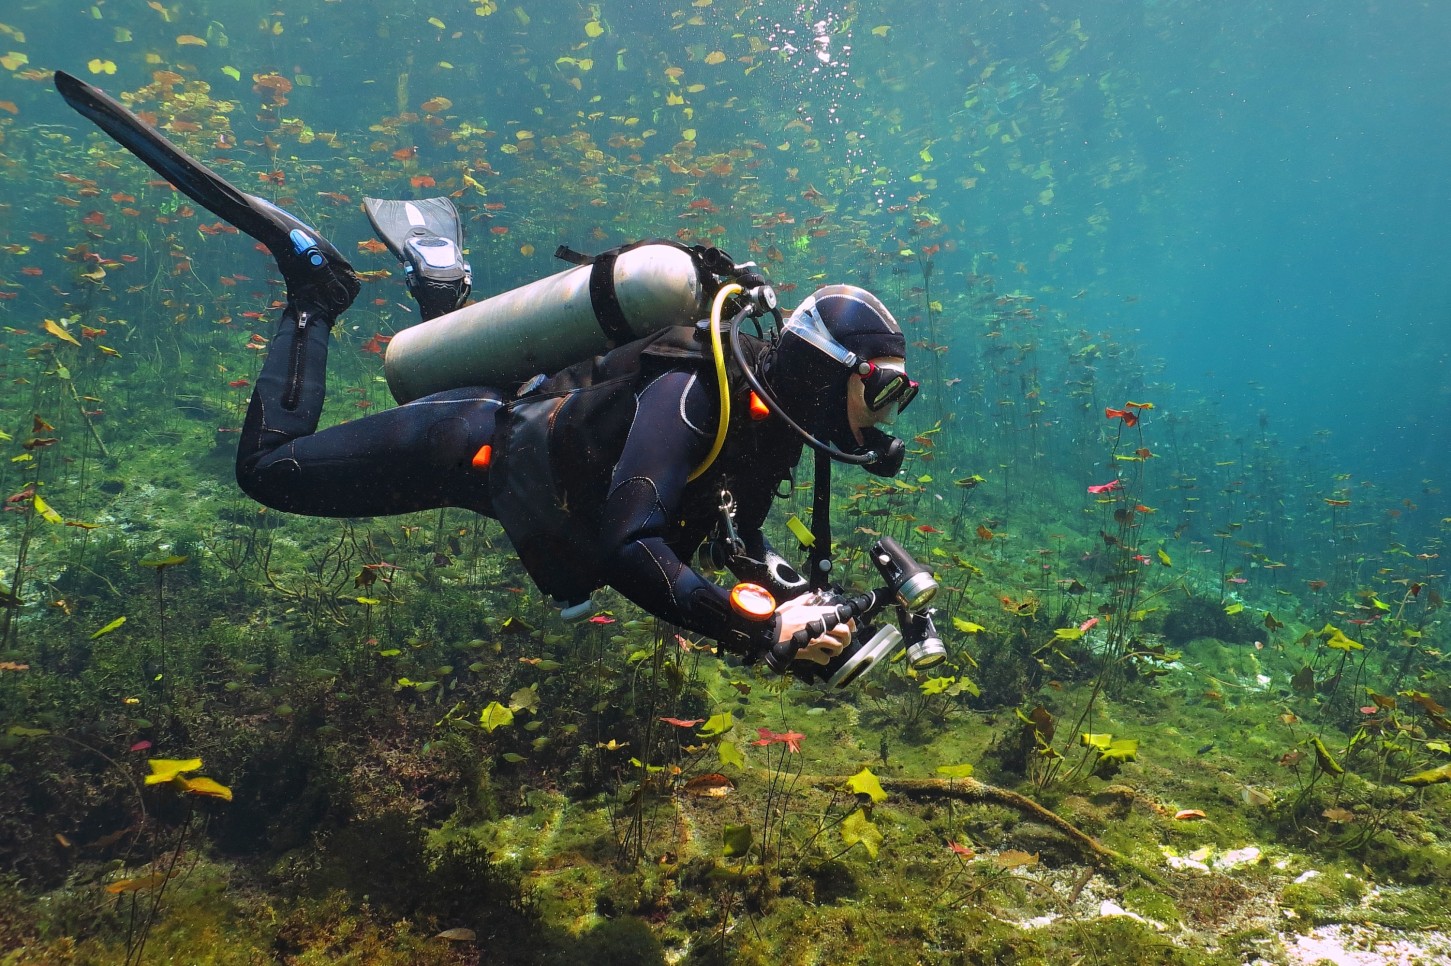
[(483, 457), (759, 409)]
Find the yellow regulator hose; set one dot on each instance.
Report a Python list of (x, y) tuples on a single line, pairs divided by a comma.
[(718, 351)]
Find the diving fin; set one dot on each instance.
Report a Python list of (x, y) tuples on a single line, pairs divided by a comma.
[(426, 236), (308, 262)]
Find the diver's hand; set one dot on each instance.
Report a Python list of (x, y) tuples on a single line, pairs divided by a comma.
[(794, 615)]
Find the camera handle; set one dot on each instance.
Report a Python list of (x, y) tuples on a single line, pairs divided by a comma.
[(779, 657)]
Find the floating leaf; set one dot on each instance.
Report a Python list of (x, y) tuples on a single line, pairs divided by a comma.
[(735, 841), (136, 885), (495, 716), (160, 559), (1432, 776), (1326, 760), (860, 830), (57, 330), (717, 724), (955, 771), (205, 786), (16, 60), (711, 785), (44, 509), (715, 57), (166, 769), (967, 627), (881, 31), (593, 28), (730, 754), (232, 72), (98, 66), (866, 783), (191, 40), (109, 628)]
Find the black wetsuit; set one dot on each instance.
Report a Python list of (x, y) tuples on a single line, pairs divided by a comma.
[(646, 522)]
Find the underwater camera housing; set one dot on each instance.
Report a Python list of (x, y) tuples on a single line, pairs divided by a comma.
[(908, 585)]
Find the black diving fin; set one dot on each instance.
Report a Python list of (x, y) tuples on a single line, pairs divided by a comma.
[(426, 236), (303, 255)]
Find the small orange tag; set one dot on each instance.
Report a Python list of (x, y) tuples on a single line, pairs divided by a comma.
[(483, 457), (759, 409)]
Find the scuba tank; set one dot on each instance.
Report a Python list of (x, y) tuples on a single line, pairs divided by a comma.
[(542, 327)]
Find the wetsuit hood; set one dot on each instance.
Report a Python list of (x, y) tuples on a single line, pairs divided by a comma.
[(834, 329)]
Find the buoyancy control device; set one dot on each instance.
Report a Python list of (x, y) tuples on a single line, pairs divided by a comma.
[(542, 327)]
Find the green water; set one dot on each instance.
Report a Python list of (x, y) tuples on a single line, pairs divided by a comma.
[(1169, 277)]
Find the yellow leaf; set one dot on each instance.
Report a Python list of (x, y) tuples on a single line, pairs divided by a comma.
[(191, 40), (109, 628), (866, 783), (165, 14), (925, 155), (98, 66), (523, 135), (55, 329), (593, 29), (672, 99), (205, 786), (586, 64), (688, 134), (881, 31), (967, 627), (136, 885), (15, 60), (1234, 608), (166, 769), (44, 509), (233, 73), (715, 57), (1164, 558), (434, 21)]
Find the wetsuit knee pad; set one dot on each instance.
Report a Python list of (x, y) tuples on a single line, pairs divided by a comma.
[(449, 443)]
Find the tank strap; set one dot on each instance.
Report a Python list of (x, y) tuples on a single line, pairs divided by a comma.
[(603, 298)]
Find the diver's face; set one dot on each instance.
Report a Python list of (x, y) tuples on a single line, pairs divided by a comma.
[(858, 414)]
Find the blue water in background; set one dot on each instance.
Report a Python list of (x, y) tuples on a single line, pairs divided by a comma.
[(1267, 180)]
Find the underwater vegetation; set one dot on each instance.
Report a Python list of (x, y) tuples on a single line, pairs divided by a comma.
[(1195, 704)]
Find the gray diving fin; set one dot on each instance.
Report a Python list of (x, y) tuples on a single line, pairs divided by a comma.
[(426, 236)]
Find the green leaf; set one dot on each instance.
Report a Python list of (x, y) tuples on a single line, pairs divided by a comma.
[(524, 699), (967, 627), (865, 783), (717, 724), (860, 830), (1122, 749), (495, 716), (21, 731), (1101, 742), (158, 559), (109, 628), (936, 685), (1432, 776), (955, 771), (730, 754), (512, 757), (735, 841), (1326, 760), (1067, 634)]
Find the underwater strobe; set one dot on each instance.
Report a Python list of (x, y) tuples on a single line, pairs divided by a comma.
[(908, 585)]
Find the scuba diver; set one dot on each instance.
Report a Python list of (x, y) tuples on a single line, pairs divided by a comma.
[(612, 471)]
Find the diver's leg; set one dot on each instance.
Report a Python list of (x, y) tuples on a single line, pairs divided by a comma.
[(426, 235), (416, 457)]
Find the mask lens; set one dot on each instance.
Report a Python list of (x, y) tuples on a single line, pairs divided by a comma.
[(884, 386)]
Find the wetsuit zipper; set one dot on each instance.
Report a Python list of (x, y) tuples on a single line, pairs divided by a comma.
[(292, 393)]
